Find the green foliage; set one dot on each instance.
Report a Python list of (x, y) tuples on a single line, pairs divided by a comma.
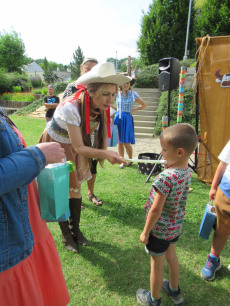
[(37, 91), (52, 65), (44, 91), (163, 31), (187, 62), (59, 87), (148, 77), (162, 110), (12, 52), (36, 81), (17, 89), (213, 18), (21, 97), (78, 58), (5, 82), (30, 108)]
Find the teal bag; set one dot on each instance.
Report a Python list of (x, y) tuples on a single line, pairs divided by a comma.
[(53, 188), (64, 217)]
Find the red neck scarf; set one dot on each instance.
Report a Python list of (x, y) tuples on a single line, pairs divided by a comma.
[(87, 110)]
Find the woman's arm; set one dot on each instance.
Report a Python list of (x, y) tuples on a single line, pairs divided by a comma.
[(142, 105), (77, 142)]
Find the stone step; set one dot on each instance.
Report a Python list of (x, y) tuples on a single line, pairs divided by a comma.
[(143, 135), (146, 90), (144, 118), (149, 107), (144, 123), (143, 130), (144, 112)]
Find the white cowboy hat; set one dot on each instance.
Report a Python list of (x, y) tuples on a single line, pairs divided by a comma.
[(102, 73)]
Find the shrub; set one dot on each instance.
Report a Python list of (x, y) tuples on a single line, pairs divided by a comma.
[(148, 77), (18, 79), (27, 97), (36, 81), (44, 91), (37, 91), (188, 62), (162, 110), (5, 82), (17, 89), (59, 87)]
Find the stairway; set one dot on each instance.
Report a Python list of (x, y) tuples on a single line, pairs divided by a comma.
[(144, 120)]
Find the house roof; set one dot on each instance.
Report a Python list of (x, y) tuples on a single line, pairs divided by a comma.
[(33, 67)]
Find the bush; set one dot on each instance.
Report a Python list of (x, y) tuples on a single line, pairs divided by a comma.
[(18, 79), (5, 82), (37, 91), (148, 77), (162, 110), (36, 81), (17, 89), (44, 91), (59, 87)]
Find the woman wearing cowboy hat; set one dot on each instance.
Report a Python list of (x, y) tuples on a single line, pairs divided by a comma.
[(124, 119), (72, 126)]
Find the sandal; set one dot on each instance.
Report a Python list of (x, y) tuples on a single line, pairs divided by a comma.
[(95, 201), (129, 164)]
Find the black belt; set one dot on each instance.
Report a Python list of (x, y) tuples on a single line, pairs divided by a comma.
[(57, 129)]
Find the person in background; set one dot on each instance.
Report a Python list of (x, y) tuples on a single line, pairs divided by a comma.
[(72, 125), (129, 65), (124, 119), (165, 212), (221, 196), (86, 66), (30, 268), (51, 102)]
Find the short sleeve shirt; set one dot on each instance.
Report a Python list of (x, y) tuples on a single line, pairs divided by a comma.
[(225, 181), (126, 103), (53, 99), (174, 184)]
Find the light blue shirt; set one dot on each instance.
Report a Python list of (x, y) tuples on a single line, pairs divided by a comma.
[(126, 104)]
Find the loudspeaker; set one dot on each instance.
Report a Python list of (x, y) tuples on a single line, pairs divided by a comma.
[(169, 70)]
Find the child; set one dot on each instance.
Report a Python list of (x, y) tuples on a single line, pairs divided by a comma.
[(222, 206), (165, 213)]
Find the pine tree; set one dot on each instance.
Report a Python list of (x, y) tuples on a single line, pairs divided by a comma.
[(163, 31), (75, 65)]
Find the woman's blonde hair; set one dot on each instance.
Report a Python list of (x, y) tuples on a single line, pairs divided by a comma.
[(95, 89)]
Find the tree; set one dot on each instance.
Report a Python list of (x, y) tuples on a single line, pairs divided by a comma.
[(213, 18), (75, 65), (12, 52), (163, 31)]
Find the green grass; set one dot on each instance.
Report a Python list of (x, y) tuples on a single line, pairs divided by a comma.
[(115, 265)]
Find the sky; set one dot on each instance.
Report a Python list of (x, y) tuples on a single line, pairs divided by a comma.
[(55, 29)]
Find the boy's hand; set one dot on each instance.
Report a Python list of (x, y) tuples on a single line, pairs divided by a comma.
[(144, 238), (212, 194), (146, 205)]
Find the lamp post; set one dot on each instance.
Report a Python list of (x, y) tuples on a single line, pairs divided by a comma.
[(116, 61), (186, 46)]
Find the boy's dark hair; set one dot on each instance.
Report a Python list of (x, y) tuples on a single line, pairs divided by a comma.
[(181, 135)]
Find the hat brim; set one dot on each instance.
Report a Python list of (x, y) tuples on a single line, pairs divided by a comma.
[(119, 80)]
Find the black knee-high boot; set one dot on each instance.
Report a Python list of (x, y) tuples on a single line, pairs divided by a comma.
[(67, 238), (75, 215)]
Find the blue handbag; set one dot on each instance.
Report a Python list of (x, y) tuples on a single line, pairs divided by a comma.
[(207, 221)]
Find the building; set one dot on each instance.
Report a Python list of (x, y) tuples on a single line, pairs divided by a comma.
[(62, 75), (34, 70)]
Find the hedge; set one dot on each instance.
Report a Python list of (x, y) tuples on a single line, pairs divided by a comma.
[(162, 110)]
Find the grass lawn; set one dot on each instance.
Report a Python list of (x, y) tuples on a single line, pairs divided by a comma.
[(115, 265)]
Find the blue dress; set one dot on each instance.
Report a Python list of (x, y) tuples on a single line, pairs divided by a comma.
[(123, 119)]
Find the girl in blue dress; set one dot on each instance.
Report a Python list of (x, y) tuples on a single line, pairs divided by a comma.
[(124, 119)]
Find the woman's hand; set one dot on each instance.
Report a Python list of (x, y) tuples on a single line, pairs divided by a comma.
[(114, 157)]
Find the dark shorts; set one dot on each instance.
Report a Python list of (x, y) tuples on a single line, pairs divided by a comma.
[(158, 247), (93, 168)]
